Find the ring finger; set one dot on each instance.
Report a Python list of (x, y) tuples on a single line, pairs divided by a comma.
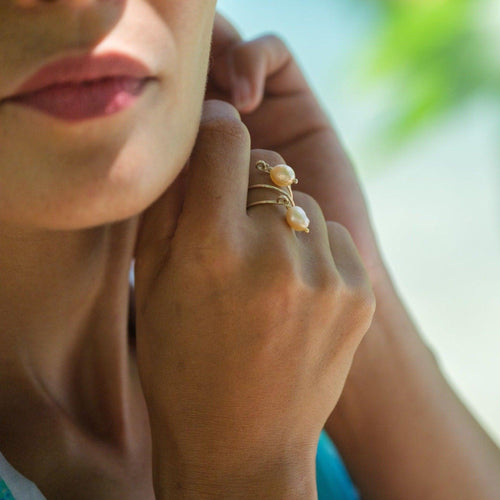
[(272, 217)]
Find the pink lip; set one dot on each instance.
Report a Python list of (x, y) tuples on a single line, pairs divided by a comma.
[(84, 68), (78, 88)]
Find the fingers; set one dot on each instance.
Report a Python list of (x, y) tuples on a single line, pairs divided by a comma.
[(263, 64), (248, 69), (264, 189), (357, 287), (225, 35), (346, 255), (217, 181), (156, 228), (209, 195), (215, 202), (271, 219)]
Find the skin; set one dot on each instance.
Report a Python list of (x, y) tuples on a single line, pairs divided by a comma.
[(247, 324), (68, 383), (400, 428), (82, 200)]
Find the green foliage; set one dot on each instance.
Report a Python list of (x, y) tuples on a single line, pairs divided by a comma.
[(436, 54)]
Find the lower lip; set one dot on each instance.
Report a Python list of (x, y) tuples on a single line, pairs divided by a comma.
[(85, 100)]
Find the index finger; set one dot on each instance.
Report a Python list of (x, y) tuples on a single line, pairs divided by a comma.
[(217, 183)]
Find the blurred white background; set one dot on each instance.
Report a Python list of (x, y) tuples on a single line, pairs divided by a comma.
[(435, 198)]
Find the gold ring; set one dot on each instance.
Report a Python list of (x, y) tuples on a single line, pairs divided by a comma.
[(283, 176)]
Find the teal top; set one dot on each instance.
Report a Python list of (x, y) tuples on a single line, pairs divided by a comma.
[(331, 475), (332, 478), (14, 486)]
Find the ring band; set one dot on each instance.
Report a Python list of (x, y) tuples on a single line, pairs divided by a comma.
[(282, 176)]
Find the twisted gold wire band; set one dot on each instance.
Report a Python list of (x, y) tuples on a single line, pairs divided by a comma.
[(283, 176), (274, 188), (265, 202)]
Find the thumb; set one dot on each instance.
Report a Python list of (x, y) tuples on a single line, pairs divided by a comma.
[(224, 37), (157, 227)]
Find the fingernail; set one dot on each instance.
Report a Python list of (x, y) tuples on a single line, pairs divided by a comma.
[(242, 93)]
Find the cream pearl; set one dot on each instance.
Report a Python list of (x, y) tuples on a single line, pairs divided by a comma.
[(283, 175), (297, 219)]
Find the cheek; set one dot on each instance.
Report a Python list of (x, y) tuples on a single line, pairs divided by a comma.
[(70, 179), (191, 24), (61, 177)]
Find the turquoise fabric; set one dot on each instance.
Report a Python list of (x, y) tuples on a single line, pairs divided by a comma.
[(5, 493), (332, 478), (14, 486)]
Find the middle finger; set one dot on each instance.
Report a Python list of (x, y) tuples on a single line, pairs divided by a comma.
[(272, 218)]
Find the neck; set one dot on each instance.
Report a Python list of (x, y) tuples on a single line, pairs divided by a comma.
[(63, 320)]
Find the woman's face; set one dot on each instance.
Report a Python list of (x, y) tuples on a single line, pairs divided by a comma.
[(61, 174)]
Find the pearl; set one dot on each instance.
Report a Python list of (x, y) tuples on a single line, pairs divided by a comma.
[(283, 175), (297, 219)]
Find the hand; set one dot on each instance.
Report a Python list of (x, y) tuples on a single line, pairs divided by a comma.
[(396, 399), (261, 78), (245, 329)]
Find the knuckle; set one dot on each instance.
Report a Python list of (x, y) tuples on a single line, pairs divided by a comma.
[(221, 118), (362, 306), (338, 230), (216, 256), (286, 293), (306, 201), (336, 299), (280, 276), (209, 264), (357, 283), (243, 49), (268, 156), (225, 128), (366, 301), (353, 308), (276, 40), (325, 291), (215, 108), (285, 276), (330, 283)]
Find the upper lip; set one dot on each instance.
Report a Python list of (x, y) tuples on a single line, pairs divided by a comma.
[(79, 69)]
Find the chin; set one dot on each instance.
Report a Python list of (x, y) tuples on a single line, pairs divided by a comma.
[(95, 175), (90, 197), (112, 200)]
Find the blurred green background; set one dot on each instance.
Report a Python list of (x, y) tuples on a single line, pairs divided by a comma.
[(413, 87), (437, 54)]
